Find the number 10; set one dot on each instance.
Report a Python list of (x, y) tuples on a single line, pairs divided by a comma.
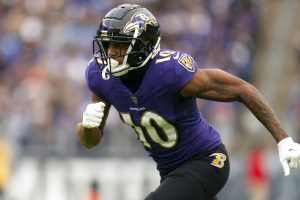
[(150, 121)]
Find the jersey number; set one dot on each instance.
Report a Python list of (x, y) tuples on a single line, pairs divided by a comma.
[(150, 123), (166, 56)]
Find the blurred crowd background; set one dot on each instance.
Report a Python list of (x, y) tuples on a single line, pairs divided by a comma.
[(45, 46)]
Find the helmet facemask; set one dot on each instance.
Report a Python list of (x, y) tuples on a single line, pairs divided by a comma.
[(101, 46)]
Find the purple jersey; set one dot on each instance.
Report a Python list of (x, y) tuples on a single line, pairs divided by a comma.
[(170, 126)]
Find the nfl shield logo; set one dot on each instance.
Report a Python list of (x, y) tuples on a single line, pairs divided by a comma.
[(134, 99)]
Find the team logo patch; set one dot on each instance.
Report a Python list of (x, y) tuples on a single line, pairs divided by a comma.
[(219, 159), (139, 21), (187, 62)]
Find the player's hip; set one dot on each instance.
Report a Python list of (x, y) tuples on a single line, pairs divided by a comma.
[(209, 170)]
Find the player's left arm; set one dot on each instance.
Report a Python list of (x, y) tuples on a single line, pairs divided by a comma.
[(217, 85)]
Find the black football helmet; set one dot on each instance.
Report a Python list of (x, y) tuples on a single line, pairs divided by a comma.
[(132, 24)]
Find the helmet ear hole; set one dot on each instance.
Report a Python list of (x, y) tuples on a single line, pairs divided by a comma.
[(137, 59)]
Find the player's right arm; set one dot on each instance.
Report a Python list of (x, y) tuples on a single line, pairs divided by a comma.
[(90, 129)]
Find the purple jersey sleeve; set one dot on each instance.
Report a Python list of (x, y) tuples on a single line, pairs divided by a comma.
[(185, 69), (89, 75), (98, 81), (176, 71)]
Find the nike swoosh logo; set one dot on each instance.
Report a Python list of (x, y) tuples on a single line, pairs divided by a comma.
[(177, 56)]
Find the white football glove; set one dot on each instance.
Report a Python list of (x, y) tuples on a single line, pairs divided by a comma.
[(289, 154), (93, 114)]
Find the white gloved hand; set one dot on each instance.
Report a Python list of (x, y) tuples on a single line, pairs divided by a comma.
[(289, 154), (93, 114)]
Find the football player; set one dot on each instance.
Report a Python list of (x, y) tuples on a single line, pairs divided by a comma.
[(155, 90)]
